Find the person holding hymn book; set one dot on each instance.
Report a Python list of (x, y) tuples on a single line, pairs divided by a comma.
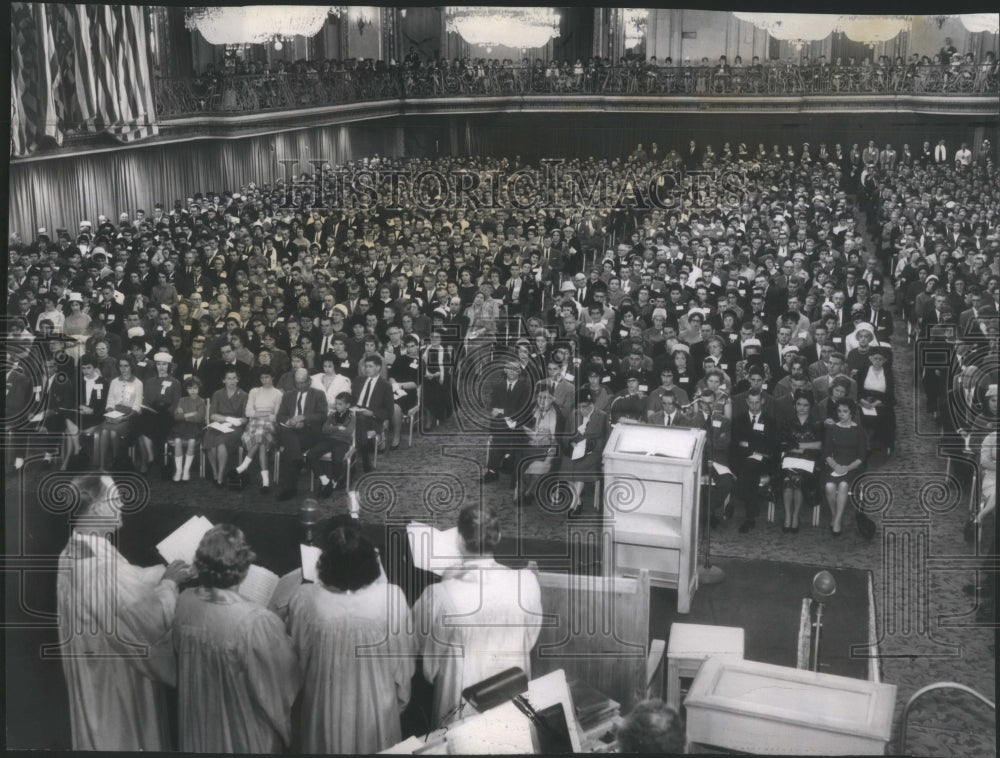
[(237, 674), (356, 651), (479, 620), (189, 418), (223, 433), (114, 620)]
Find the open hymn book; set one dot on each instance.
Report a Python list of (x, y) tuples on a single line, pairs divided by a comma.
[(261, 585)]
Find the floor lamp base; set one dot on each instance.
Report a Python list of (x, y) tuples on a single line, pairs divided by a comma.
[(710, 575)]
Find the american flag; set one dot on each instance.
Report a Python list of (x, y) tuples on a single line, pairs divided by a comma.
[(79, 68)]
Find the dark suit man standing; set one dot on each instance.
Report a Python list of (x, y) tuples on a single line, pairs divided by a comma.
[(717, 465), (510, 407), (300, 421), (754, 452), (374, 401)]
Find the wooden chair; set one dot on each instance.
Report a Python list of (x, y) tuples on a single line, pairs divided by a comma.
[(597, 629)]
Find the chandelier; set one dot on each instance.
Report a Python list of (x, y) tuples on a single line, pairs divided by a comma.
[(257, 24), (491, 27), (807, 27)]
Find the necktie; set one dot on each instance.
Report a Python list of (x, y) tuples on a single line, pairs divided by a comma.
[(753, 420), (197, 363), (300, 406), (668, 421), (510, 386), (366, 395)]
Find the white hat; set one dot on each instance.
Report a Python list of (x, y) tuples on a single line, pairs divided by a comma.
[(567, 286), (752, 342), (85, 225), (162, 358), (41, 231), (136, 331), (75, 297), (661, 312)]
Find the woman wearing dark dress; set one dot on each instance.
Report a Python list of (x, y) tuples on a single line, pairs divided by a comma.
[(437, 380), (228, 410), (801, 440), (845, 450), (877, 398)]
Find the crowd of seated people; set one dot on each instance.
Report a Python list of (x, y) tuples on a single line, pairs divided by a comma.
[(238, 325), (271, 85)]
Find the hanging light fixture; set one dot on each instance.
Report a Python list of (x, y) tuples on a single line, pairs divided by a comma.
[(873, 29), (809, 27), (257, 24), (981, 22), (362, 15), (511, 27)]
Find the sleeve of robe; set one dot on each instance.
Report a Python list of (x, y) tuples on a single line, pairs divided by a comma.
[(150, 619), (403, 646), (272, 670)]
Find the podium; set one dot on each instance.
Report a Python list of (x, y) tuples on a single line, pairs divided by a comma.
[(652, 488), (761, 708)]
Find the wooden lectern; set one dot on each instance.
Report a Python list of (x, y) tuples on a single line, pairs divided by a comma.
[(652, 488)]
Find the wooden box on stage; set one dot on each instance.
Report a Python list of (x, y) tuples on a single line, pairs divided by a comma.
[(652, 487), (776, 710)]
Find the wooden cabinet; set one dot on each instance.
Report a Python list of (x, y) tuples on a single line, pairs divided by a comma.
[(651, 502)]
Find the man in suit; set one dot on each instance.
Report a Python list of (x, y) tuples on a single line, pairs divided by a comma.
[(756, 375), (879, 317), (510, 408), (229, 363), (198, 364), (585, 435), (836, 366), (374, 402), (968, 319), (669, 413), (300, 421), (754, 451)]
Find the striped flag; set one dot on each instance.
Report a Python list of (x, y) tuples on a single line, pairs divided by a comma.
[(79, 68)]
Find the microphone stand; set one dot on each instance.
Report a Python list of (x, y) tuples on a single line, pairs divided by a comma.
[(707, 573)]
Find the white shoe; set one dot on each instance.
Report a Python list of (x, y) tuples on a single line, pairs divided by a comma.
[(186, 477), (177, 476)]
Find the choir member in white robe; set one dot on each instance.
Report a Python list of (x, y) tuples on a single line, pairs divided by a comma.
[(236, 671), (114, 620), (356, 649), (481, 619)]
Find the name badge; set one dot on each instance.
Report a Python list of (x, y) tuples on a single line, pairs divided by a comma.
[(724, 366), (164, 386), (414, 364), (644, 388), (683, 379), (758, 427), (803, 335), (838, 339), (605, 380), (744, 444), (733, 337), (717, 423), (570, 378)]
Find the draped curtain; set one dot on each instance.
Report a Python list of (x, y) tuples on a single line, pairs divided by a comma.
[(79, 68), (60, 192)]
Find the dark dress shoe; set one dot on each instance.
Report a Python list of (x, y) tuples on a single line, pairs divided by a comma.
[(490, 476), (264, 489), (747, 525), (727, 512), (786, 529), (286, 494), (793, 529), (325, 491), (395, 447)]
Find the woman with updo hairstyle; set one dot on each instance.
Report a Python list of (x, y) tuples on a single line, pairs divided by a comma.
[(237, 674), (351, 702), (801, 440), (845, 452)]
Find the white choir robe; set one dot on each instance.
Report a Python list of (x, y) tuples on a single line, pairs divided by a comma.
[(236, 674), (481, 619), (114, 621), (357, 654)]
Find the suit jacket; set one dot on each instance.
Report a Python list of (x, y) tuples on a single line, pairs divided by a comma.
[(381, 401), (720, 431), (97, 400), (314, 407), (746, 440), (516, 403)]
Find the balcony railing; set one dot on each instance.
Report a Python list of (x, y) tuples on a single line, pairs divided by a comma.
[(223, 94)]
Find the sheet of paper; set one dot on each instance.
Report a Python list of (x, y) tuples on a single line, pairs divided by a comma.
[(503, 730), (721, 469), (756, 457), (182, 543), (37, 417), (869, 411), (310, 557), (579, 450), (259, 585), (398, 392), (799, 464), (113, 414), (220, 426), (432, 549)]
